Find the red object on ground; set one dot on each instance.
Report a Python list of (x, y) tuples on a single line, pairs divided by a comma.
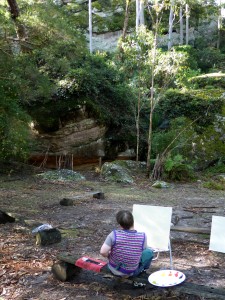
[(90, 263)]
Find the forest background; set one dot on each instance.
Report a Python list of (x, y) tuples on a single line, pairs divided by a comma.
[(159, 91)]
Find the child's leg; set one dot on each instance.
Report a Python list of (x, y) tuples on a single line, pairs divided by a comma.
[(145, 262)]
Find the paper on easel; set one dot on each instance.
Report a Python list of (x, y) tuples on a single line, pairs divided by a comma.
[(217, 236), (155, 221)]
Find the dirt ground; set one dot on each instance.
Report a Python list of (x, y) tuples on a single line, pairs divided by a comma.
[(25, 268)]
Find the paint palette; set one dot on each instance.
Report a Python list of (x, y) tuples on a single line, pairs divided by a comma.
[(166, 278)]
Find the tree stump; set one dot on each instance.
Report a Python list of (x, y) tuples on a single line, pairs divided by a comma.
[(99, 195), (48, 236), (75, 200), (5, 218), (64, 271), (67, 202)]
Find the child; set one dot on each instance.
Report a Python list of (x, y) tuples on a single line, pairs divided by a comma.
[(126, 248)]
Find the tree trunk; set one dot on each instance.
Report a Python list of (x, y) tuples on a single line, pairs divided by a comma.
[(14, 9), (90, 25), (171, 18), (152, 96), (20, 28), (138, 124), (219, 25), (181, 25), (141, 13), (187, 23), (126, 19), (137, 13)]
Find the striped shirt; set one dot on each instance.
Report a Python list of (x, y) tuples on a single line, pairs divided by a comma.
[(126, 250)]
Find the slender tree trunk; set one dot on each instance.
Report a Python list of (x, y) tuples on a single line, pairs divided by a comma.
[(171, 18), (219, 25), (137, 14), (126, 20), (187, 22), (152, 96), (138, 124), (90, 25), (141, 14), (20, 28), (181, 25), (14, 9)]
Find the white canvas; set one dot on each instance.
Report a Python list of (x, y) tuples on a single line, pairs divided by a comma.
[(217, 236), (155, 221)]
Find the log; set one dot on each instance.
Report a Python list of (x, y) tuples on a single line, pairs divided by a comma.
[(202, 291), (197, 230), (65, 269), (48, 236), (5, 218), (74, 200)]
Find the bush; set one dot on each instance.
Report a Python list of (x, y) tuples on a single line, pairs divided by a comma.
[(199, 105), (14, 130), (208, 58), (94, 84), (211, 80), (177, 168)]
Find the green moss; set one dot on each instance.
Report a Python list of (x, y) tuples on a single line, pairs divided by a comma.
[(60, 175), (73, 233), (214, 185)]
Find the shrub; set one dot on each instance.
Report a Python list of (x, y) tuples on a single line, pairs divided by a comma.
[(14, 130), (208, 58), (177, 168), (214, 185), (199, 105)]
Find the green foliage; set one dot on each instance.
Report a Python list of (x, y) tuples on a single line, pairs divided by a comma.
[(214, 185), (30, 68), (199, 105), (189, 54), (14, 130), (209, 145), (208, 58), (188, 67), (92, 83), (209, 81), (177, 138), (52, 76), (219, 168), (177, 168)]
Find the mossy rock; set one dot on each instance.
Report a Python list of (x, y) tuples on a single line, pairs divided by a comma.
[(61, 175), (160, 184), (114, 171)]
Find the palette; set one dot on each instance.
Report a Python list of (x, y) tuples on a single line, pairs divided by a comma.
[(166, 278)]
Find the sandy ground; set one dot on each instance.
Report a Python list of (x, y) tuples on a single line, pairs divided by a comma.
[(25, 271)]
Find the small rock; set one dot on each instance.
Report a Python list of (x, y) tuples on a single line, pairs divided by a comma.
[(160, 184)]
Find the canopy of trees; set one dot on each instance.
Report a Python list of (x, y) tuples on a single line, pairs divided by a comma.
[(146, 91)]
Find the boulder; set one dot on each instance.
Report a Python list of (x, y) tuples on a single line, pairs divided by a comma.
[(160, 184), (75, 143), (115, 172)]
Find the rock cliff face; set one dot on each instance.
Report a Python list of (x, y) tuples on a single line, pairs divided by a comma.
[(77, 143)]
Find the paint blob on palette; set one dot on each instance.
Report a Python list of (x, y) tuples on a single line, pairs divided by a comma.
[(166, 278)]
